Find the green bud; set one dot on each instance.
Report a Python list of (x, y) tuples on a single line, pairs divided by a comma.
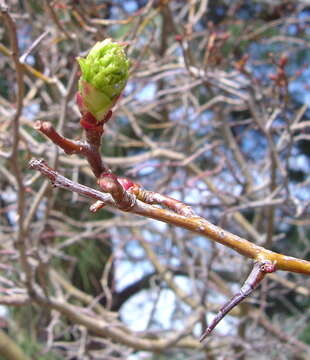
[(104, 76)]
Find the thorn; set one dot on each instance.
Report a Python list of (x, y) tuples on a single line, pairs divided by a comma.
[(205, 334), (260, 269)]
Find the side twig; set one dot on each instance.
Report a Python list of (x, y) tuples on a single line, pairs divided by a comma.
[(260, 269)]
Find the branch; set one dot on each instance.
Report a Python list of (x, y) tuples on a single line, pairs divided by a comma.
[(119, 298), (9, 349), (196, 224), (90, 150), (260, 269), (153, 198), (14, 157), (116, 331)]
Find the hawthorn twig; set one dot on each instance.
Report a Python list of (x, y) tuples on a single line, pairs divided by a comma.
[(107, 181), (265, 261), (122, 193), (62, 182), (153, 198), (195, 223), (90, 149), (260, 269)]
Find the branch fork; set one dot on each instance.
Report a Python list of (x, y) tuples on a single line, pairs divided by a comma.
[(123, 190), (106, 180)]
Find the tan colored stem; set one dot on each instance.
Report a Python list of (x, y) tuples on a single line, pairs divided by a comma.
[(242, 246), (196, 224), (116, 331), (9, 350)]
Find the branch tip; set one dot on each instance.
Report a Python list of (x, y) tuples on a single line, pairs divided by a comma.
[(260, 269)]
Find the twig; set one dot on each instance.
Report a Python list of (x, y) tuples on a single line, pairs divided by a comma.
[(196, 224), (33, 46), (20, 237), (4, 50), (58, 24), (115, 331), (260, 269), (90, 151), (9, 349), (151, 197)]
